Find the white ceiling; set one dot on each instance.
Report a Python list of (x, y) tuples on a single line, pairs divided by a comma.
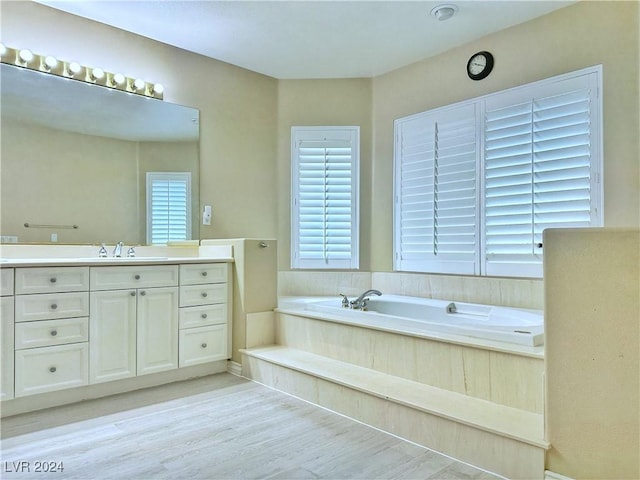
[(310, 39)]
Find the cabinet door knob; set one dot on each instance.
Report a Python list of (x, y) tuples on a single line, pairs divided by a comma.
[(54, 333), (53, 279), (204, 274), (204, 294), (54, 306), (204, 345), (204, 315), (137, 277), (52, 369), (143, 293), (133, 294)]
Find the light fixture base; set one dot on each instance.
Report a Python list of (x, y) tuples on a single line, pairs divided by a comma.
[(444, 12)]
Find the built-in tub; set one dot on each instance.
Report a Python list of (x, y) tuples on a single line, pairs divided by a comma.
[(422, 315)]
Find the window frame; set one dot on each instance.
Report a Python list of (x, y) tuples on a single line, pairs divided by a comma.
[(592, 78), (329, 134), (184, 177)]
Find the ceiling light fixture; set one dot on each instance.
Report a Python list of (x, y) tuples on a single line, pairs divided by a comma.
[(444, 12), (73, 70)]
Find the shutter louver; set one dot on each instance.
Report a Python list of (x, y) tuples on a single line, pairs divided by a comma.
[(436, 192), (537, 170), (168, 203), (325, 200)]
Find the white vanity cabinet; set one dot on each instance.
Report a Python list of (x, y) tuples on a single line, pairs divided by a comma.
[(6, 333), (204, 313), (51, 329), (134, 321)]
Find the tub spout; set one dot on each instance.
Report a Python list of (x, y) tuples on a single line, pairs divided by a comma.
[(359, 302)]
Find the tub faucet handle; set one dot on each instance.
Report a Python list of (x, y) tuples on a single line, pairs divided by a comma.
[(345, 301)]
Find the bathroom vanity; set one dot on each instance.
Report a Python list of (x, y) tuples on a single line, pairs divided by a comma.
[(76, 324)]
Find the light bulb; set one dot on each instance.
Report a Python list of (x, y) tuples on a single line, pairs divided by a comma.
[(50, 62), (26, 55), (118, 79), (158, 88), (3, 50), (97, 73), (74, 68), (138, 84)]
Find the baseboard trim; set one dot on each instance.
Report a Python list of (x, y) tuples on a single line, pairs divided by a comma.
[(234, 368), (549, 475)]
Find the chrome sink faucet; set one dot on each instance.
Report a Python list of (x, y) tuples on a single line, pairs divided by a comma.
[(361, 302), (117, 251)]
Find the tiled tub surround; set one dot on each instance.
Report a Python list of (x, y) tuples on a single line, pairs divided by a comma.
[(478, 401), (508, 292)]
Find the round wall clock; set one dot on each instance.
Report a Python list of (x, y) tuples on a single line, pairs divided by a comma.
[(480, 65)]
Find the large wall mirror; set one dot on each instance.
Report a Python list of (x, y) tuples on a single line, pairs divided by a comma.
[(77, 155)]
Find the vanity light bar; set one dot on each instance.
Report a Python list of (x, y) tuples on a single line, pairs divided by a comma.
[(47, 64)]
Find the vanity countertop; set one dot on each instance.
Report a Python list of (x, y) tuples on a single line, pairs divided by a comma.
[(51, 262)]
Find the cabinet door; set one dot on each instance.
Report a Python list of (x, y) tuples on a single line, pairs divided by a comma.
[(112, 335), (157, 329), (6, 346)]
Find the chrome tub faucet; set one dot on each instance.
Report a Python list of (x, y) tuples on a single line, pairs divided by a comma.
[(360, 303)]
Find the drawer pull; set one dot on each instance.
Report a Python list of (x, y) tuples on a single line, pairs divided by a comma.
[(54, 306), (204, 345), (143, 293), (53, 279), (204, 294), (54, 333), (204, 315), (52, 369), (204, 274), (137, 277)]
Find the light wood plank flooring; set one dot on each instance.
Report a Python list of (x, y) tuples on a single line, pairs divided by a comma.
[(217, 427)]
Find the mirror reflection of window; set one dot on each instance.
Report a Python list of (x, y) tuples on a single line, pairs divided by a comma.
[(168, 207)]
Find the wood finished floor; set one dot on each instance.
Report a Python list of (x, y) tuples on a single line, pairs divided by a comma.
[(217, 427)]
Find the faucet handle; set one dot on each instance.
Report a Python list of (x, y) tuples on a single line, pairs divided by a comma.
[(131, 252), (102, 253), (345, 301)]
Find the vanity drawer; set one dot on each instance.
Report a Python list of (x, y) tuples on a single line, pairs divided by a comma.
[(51, 279), (115, 278), (46, 333), (6, 281), (203, 344), (46, 369), (205, 315), (192, 295), (197, 274), (51, 305)]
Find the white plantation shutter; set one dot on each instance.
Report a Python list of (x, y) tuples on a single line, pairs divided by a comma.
[(534, 163), (538, 169), (435, 191), (325, 197), (168, 207)]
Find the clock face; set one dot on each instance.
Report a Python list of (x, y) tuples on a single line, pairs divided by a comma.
[(480, 65)]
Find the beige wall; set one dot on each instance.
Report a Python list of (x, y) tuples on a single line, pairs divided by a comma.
[(585, 34), (54, 177), (317, 103), (168, 157), (237, 107), (592, 352)]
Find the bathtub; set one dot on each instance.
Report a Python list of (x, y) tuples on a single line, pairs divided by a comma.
[(415, 316)]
